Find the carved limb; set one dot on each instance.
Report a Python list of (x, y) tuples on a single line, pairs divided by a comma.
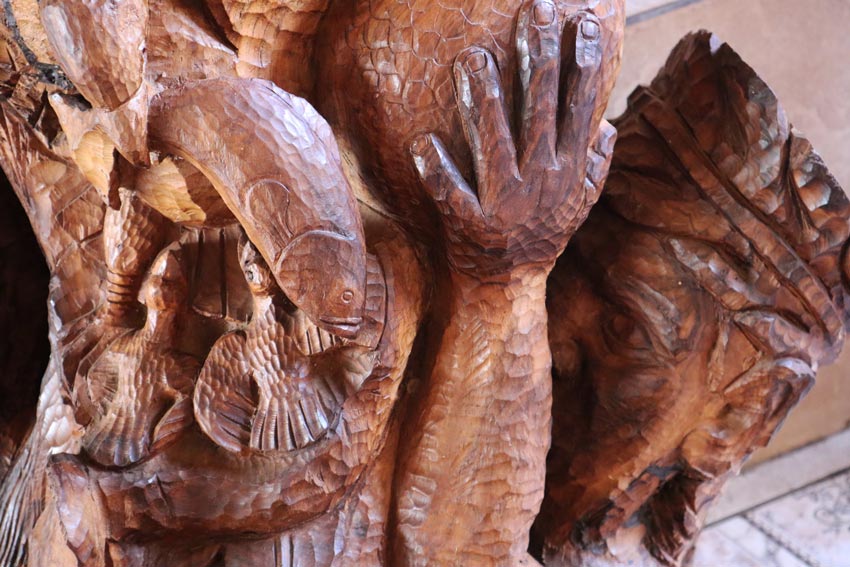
[(479, 433)]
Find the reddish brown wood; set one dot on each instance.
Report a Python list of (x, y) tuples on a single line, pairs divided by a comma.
[(331, 285), (712, 287)]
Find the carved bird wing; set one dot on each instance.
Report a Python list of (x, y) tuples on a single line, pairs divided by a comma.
[(224, 399), (143, 400), (280, 386)]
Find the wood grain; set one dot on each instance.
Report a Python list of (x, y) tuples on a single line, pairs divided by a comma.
[(368, 282)]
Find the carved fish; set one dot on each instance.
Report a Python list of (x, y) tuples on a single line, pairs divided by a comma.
[(274, 162)]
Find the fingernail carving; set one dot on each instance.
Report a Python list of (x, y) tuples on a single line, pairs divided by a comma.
[(476, 61), (590, 29), (544, 13)]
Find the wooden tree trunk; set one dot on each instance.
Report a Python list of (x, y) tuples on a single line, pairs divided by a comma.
[(368, 282)]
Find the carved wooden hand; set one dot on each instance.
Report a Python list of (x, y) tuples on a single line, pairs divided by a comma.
[(530, 194), (481, 431)]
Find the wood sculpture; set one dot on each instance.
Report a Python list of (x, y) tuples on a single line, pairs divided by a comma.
[(367, 282)]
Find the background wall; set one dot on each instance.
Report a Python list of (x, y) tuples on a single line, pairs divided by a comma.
[(801, 48)]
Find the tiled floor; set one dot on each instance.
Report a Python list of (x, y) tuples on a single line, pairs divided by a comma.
[(736, 542), (789, 525)]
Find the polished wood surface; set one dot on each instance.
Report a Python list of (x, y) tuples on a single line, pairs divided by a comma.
[(368, 282)]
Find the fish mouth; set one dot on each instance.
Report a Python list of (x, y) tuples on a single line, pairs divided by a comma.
[(366, 330), (345, 327)]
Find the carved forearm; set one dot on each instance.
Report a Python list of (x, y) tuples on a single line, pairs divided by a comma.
[(474, 470), (471, 481)]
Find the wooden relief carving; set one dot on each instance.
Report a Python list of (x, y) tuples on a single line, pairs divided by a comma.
[(368, 282), (713, 280)]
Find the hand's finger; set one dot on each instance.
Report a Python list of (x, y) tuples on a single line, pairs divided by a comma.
[(581, 68), (598, 164), (539, 54), (482, 109), (599, 161), (444, 183)]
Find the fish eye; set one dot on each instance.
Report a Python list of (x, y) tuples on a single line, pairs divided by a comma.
[(347, 296)]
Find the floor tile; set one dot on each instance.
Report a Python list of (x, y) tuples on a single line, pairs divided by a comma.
[(814, 522), (737, 543)]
